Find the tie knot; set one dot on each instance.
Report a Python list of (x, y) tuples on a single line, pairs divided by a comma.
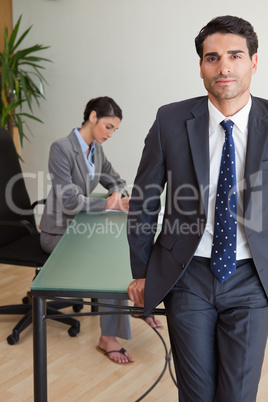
[(227, 126)]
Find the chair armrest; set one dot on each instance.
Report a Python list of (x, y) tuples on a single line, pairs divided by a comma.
[(23, 223)]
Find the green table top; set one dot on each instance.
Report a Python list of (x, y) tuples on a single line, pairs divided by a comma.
[(92, 256)]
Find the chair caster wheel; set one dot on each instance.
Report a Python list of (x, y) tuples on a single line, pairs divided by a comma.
[(73, 331), (78, 307), (26, 300), (13, 338)]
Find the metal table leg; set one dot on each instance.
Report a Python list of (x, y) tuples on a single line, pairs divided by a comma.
[(39, 349)]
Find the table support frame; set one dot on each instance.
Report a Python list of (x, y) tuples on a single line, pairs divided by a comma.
[(40, 338), (39, 349)]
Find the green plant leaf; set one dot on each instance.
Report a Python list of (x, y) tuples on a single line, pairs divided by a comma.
[(30, 116), (20, 128), (21, 38), (20, 77), (4, 70), (14, 33), (6, 44)]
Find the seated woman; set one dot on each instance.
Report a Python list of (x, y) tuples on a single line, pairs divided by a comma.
[(77, 164)]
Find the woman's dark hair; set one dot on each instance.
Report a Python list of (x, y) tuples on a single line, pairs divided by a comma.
[(104, 107), (224, 25)]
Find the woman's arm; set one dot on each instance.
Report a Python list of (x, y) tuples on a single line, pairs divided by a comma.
[(69, 193)]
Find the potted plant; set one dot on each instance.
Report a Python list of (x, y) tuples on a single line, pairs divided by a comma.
[(21, 81)]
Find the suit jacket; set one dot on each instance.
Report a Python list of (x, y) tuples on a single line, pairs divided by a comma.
[(176, 154), (71, 185)]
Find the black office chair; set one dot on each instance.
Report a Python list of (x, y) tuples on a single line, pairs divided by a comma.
[(19, 237)]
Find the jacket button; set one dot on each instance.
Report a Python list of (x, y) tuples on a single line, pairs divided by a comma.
[(182, 266)]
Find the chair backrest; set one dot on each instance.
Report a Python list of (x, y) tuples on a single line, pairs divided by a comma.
[(14, 199)]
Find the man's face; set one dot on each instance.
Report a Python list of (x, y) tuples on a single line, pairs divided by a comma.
[(226, 67)]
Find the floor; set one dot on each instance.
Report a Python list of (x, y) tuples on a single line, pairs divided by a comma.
[(77, 372)]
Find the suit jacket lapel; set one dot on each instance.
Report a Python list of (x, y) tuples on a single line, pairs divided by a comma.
[(198, 134), (257, 138), (79, 159)]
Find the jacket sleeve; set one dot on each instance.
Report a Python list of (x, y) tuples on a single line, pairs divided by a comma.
[(110, 179), (145, 201)]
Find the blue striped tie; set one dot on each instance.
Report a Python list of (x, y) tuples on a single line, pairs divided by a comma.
[(223, 254)]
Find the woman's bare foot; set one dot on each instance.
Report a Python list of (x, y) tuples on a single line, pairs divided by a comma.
[(109, 343), (150, 319), (153, 322)]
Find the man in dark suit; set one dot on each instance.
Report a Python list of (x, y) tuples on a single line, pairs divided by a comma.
[(214, 282)]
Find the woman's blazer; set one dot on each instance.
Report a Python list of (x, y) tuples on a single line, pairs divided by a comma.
[(71, 185)]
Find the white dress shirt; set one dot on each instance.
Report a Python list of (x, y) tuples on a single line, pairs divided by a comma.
[(216, 140)]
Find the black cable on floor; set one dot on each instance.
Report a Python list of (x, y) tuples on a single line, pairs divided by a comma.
[(124, 310), (167, 363)]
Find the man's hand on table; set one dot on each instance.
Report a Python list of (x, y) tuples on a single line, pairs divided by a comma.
[(136, 295), (136, 291)]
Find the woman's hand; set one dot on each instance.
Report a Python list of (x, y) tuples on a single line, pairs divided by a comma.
[(115, 201)]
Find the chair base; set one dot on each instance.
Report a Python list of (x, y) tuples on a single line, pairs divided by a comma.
[(52, 309)]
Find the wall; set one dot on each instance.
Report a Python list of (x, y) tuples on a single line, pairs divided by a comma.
[(140, 52)]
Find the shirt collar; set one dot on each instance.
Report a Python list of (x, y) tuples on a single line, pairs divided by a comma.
[(240, 119), (83, 143)]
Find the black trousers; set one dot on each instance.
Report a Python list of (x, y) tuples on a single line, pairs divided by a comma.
[(218, 333)]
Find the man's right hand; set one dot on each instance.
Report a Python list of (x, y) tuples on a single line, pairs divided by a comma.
[(136, 291)]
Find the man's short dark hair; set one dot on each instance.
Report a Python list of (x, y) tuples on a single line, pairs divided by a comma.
[(224, 25)]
